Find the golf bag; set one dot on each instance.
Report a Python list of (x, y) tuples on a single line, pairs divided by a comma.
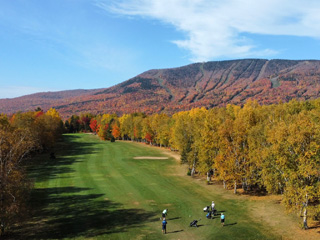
[(206, 209), (209, 216), (194, 223)]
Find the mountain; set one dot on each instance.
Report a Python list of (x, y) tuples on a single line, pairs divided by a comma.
[(205, 84)]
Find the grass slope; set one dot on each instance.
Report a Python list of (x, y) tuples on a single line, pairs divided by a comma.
[(97, 190)]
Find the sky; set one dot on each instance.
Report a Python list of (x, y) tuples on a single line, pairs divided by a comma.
[(54, 45)]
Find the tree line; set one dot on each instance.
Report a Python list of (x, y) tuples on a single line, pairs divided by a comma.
[(22, 136), (270, 148)]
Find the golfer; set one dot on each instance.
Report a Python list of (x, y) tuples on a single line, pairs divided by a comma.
[(212, 206), (222, 219), (164, 226)]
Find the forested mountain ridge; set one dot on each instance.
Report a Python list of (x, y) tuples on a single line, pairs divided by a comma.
[(205, 84)]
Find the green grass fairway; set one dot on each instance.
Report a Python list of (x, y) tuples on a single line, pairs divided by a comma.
[(97, 190)]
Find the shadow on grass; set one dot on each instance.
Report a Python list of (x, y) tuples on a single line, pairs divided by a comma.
[(218, 213), (174, 218), (230, 224), (66, 213), (314, 227), (177, 231), (68, 151)]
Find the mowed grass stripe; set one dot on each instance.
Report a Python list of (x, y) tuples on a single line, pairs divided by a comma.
[(85, 176), (117, 186)]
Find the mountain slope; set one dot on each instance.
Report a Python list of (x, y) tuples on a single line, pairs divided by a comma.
[(206, 84)]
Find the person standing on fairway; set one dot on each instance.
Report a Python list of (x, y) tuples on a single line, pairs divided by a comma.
[(212, 206), (164, 226), (222, 219)]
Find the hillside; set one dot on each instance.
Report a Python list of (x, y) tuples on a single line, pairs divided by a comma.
[(205, 84)]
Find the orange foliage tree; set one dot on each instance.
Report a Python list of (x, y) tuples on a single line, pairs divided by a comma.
[(93, 125), (115, 131)]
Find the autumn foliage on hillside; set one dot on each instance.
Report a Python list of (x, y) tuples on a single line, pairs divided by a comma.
[(207, 84)]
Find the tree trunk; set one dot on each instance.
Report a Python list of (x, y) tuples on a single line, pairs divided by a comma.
[(280, 188), (224, 184), (193, 168), (244, 185), (235, 187), (305, 223), (305, 216), (192, 171)]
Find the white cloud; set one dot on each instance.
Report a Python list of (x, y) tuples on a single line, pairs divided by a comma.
[(214, 27)]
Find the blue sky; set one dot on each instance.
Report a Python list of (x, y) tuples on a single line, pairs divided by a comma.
[(52, 45)]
